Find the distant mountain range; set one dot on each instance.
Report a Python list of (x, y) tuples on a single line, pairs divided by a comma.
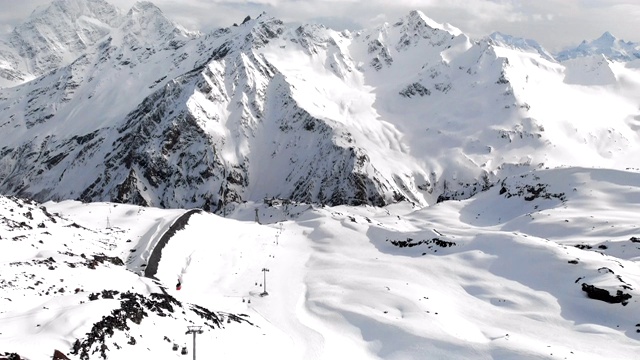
[(105, 105), (55, 35), (608, 45)]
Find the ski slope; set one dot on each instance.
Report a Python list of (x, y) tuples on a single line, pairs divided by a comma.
[(497, 276)]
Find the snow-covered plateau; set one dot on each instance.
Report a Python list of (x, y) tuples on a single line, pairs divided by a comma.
[(406, 191)]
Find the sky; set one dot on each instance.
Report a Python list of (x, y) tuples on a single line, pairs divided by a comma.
[(556, 24)]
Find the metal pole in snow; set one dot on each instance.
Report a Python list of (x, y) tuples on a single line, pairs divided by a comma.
[(194, 330), (264, 271)]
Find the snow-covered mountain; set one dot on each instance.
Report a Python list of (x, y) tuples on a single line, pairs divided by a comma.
[(56, 35), (526, 45), (607, 45), (152, 114), (266, 124)]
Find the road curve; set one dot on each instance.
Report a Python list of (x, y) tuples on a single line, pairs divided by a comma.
[(152, 265)]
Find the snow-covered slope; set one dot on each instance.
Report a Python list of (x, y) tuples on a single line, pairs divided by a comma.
[(412, 111), (543, 265), (71, 288), (526, 45)]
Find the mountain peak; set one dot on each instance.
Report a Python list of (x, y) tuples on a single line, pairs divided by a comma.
[(147, 20), (74, 9), (417, 27), (55, 35), (67, 13), (263, 29), (144, 7), (417, 15), (607, 35), (607, 39)]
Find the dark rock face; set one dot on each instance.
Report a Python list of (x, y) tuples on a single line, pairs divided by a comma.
[(10, 356), (531, 192), (411, 243), (159, 151), (529, 187), (603, 295), (415, 89), (464, 190), (58, 355)]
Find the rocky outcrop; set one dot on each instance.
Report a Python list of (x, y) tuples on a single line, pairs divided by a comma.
[(134, 309), (596, 293)]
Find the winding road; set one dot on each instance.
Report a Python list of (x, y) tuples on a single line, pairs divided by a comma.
[(152, 266)]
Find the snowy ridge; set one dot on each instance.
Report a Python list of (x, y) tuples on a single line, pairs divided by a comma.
[(528, 45)]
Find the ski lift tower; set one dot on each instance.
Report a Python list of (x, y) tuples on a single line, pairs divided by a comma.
[(264, 292), (194, 330)]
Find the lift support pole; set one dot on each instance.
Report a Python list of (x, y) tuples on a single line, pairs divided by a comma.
[(194, 330), (264, 289)]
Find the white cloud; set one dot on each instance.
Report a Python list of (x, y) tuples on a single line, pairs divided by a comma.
[(5, 29)]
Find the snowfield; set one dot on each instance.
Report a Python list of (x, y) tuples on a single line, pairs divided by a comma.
[(503, 275)]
